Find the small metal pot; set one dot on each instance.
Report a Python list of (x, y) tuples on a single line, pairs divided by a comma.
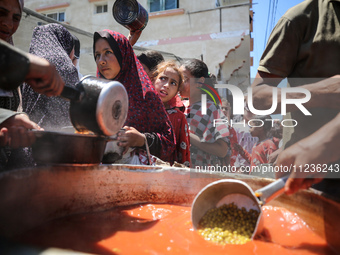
[(130, 14), (66, 148), (97, 105)]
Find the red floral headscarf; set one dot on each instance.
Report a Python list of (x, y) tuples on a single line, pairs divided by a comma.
[(132, 74), (146, 110)]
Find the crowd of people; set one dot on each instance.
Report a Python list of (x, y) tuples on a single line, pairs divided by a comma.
[(165, 115)]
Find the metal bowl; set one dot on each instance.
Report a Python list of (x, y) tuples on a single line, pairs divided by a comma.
[(65, 148)]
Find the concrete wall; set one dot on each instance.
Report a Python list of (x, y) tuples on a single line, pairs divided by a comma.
[(23, 36), (30, 19), (197, 29)]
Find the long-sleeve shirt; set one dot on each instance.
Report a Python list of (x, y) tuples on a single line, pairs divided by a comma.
[(14, 66)]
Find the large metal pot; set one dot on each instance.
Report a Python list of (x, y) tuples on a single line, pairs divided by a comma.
[(97, 105), (31, 197), (66, 148)]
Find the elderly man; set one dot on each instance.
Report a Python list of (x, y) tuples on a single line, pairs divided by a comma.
[(16, 67)]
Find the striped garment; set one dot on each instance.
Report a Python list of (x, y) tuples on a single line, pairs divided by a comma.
[(203, 126)]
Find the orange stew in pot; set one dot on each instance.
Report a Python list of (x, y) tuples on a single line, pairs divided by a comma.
[(167, 229)]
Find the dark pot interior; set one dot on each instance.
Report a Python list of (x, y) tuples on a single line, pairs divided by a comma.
[(65, 148)]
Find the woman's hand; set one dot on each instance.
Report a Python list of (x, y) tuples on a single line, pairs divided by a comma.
[(130, 138), (318, 149), (4, 138), (14, 131), (298, 155)]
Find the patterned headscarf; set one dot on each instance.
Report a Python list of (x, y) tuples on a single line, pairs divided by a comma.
[(132, 74), (146, 110), (54, 43)]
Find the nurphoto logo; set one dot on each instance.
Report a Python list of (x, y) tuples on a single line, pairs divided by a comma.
[(238, 100), (239, 106)]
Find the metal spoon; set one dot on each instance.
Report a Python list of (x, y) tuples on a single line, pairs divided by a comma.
[(228, 191)]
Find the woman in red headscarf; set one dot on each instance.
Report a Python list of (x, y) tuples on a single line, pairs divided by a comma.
[(147, 122)]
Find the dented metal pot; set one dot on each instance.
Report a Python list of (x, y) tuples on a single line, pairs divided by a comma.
[(97, 105)]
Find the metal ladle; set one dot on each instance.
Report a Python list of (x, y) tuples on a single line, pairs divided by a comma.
[(228, 191)]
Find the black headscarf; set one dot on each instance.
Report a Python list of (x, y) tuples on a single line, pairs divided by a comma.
[(76, 46)]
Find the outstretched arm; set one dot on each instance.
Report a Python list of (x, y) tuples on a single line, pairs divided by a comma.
[(319, 149), (324, 93), (218, 148), (43, 77), (134, 36), (17, 66)]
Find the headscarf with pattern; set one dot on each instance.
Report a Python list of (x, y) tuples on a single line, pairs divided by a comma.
[(54, 43), (146, 110), (132, 74)]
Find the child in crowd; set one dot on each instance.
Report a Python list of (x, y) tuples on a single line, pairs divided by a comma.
[(244, 138), (149, 60), (76, 57), (266, 145), (232, 153), (147, 122), (167, 81), (277, 132), (209, 142)]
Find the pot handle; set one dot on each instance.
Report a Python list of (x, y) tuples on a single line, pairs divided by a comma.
[(71, 93), (272, 190)]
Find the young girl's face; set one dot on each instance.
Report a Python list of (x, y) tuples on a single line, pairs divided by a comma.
[(166, 84), (106, 60), (185, 90)]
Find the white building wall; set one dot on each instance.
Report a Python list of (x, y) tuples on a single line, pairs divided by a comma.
[(197, 29)]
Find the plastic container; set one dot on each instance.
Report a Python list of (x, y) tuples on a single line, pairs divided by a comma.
[(130, 14)]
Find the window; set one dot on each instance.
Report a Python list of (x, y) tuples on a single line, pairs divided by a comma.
[(59, 16), (162, 5), (101, 8)]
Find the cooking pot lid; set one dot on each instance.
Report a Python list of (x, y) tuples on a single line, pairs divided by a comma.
[(112, 108)]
